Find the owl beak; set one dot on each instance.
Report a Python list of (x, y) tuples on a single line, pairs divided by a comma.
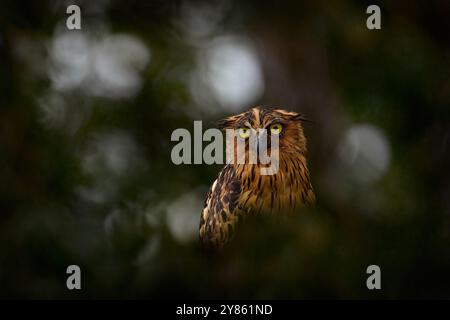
[(263, 143)]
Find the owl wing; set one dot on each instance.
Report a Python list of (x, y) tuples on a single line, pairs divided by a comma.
[(221, 211)]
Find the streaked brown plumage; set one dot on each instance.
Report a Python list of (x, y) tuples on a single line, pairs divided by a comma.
[(241, 190)]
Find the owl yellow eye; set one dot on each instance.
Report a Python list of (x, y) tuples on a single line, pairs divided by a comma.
[(244, 133), (275, 128)]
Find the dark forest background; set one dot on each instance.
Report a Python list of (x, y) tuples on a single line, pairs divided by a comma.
[(85, 124)]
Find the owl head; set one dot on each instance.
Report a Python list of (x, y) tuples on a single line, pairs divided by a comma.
[(287, 125)]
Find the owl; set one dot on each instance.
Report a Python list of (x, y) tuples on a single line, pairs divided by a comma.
[(241, 190)]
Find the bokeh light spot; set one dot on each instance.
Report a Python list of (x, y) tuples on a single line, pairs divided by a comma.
[(365, 151)]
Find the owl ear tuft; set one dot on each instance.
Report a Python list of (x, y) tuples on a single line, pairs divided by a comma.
[(299, 117), (226, 123)]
